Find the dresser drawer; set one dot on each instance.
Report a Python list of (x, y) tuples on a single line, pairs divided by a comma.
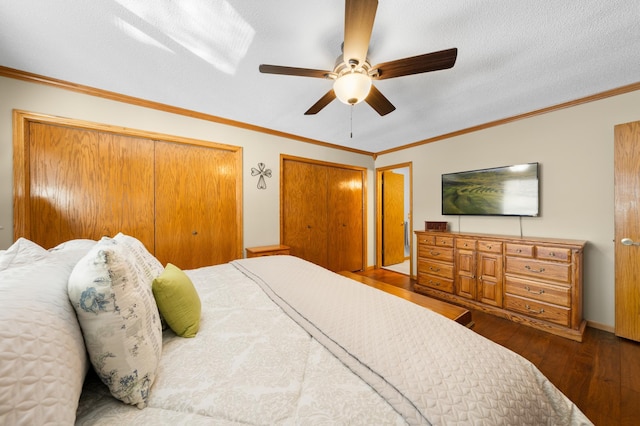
[(426, 239), (525, 250), (444, 241), (538, 310), (438, 253), (553, 253), (437, 283), (464, 243), (560, 272), (490, 246), (558, 295), (444, 270), (435, 240)]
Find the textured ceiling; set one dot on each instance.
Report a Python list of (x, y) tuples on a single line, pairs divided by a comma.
[(203, 55)]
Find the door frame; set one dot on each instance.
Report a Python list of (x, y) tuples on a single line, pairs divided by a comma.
[(379, 211)]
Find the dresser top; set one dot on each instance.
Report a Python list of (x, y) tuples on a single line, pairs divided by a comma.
[(509, 238)]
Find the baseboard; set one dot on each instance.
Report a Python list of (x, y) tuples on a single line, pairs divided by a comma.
[(602, 327)]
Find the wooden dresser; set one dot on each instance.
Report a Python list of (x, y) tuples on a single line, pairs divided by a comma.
[(533, 281)]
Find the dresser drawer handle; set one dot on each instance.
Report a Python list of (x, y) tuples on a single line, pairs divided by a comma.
[(436, 283), (489, 247), (435, 253), (434, 269), (541, 311), (527, 267), (526, 287), (552, 254)]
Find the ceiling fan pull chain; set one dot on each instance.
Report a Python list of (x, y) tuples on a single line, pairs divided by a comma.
[(351, 121)]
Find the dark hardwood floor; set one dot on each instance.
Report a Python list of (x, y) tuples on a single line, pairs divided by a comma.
[(601, 375)]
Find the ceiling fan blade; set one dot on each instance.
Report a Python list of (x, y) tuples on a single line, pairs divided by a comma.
[(378, 102), (417, 64), (323, 102), (302, 72), (358, 24)]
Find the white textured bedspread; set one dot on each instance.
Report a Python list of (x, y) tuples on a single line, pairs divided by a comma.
[(430, 369)]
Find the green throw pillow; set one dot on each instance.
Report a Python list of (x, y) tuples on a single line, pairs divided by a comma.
[(178, 301)]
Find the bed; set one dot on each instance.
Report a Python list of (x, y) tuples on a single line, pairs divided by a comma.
[(267, 340)]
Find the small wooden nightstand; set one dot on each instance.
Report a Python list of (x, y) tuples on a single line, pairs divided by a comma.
[(268, 250)]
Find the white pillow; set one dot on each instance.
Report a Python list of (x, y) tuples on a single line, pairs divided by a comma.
[(22, 252), (71, 245), (119, 319), (43, 360)]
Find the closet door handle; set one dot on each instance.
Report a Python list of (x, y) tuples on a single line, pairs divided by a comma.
[(629, 242)]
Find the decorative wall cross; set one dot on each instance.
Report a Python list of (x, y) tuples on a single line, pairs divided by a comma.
[(262, 172)]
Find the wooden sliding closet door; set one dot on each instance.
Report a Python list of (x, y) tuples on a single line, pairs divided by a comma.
[(303, 212), (196, 192), (345, 219), (73, 179), (322, 213), (88, 183)]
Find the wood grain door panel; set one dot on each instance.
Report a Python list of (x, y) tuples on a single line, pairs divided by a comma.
[(78, 179), (195, 192), (88, 184), (627, 225), (345, 217), (490, 278), (304, 202), (466, 273), (393, 218), (322, 213)]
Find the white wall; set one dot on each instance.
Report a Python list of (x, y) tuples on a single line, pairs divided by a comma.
[(261, 208), (574, 147)]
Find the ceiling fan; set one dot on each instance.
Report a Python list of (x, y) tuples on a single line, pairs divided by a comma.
[(353, 75)]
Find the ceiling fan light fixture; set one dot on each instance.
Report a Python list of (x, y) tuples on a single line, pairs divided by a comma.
[(352, 87)]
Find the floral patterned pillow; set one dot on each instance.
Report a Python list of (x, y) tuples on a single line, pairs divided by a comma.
[(151, 266), (119, 319)]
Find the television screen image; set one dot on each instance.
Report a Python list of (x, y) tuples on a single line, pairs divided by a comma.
[(500, 191)]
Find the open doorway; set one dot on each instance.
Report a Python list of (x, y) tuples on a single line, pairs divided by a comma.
[(394, 209)]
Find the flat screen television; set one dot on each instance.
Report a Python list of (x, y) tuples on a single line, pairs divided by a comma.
[(499, 191)]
